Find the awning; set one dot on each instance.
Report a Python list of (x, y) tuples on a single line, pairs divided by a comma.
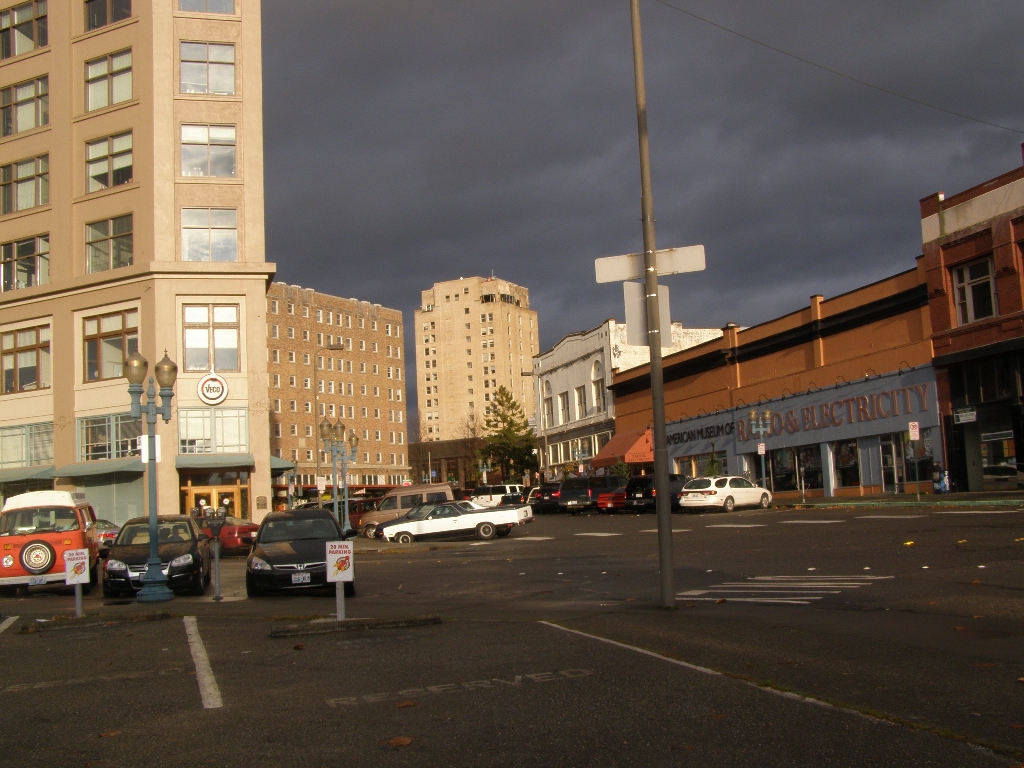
[(213, 460), (105, 467), (18, 474), (631, 447), (278, 465)]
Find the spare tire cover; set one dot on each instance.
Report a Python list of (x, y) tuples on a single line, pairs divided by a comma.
[(37, 557)]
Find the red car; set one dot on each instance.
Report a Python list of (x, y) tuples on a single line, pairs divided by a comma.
[(236, 533), (612, 501)]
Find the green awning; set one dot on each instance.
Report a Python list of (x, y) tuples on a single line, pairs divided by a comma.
[(18, 474), (105, 467), (277, 465), (213, 460)]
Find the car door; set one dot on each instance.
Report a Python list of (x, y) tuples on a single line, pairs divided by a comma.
[(740, 490)]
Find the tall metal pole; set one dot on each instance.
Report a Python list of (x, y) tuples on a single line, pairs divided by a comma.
[(663, 503)]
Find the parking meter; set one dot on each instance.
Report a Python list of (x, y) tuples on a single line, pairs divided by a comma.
[(215, 522)]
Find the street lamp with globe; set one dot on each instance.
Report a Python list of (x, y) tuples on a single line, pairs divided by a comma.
[(761, 425), (154, 581), (333, 437)]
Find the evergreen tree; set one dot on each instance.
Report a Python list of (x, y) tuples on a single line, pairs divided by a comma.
[(509, 444)]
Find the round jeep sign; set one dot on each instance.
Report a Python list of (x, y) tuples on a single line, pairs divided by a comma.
[(213, 390)]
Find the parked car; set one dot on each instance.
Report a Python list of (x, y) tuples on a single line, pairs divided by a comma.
[(545, 498), (579, 493), (726, 492), (237, 534), (290, 553), (514, 498), (184, 552), (106, 532), (397, 503), (640, 492), (1002, 477), (456, 518), (490, 495), (612, 501), (36, 529)]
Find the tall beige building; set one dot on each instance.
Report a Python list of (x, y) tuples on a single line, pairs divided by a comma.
[(473, 335), (131, 186), (343, 360)]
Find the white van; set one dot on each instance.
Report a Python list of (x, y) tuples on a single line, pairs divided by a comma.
[(490, 495)]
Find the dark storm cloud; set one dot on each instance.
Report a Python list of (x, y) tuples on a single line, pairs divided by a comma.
[(409, 142)]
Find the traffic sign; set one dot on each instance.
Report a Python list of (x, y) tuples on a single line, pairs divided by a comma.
[(76, 566), (321, 483), (761, 450), (340, 561), (670, 261), (915, 430)]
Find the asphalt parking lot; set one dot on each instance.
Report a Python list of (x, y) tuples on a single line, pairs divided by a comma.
[(910, 653)]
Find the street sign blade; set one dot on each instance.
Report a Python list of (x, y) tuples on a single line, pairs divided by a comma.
[(670, 261), (636, 314)]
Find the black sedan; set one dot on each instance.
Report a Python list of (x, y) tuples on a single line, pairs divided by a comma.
[(184, 556), (290, 553)]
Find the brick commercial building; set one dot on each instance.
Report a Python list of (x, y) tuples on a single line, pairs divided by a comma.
[(972, 245), (335, 358), (131, 218), (473, 335)]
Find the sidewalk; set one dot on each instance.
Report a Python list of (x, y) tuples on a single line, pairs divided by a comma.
[(984, 499)]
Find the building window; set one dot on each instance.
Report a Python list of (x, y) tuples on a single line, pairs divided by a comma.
[(25, 356), (975, 291), (563, 408), (209, 234), (99, 13), (23, 28), (581, 402), (293, 406), (108, 437), (26, 446), (108, 162), (847, 463), (25, 106), (25, 263), (108, 244), (25, 184), (214, 430), (108, 80), (208, 150), (207, 6), (211, 328), (109, 340), (208, 68)]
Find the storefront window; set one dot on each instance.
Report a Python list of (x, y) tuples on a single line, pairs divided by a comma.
[(809, 461), (847, 463), (918, 455), (702, 461)]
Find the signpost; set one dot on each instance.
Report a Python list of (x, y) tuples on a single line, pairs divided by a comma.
[(76, 571), (914, 428), (340, 568)]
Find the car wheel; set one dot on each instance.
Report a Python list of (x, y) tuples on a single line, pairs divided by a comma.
[(251, 590), (405, 538), (350, 589), (93, 579), (765, 501), (108, 592), (485, 531), (198, 585), (369, 530), (504, 531), (37, 557), (729, 504)]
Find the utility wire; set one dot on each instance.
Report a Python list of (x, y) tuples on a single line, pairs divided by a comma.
[(837, 72)]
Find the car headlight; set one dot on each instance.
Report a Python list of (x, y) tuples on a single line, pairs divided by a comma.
[(116, 565), (259, 564), (8, 561), (181, 560)]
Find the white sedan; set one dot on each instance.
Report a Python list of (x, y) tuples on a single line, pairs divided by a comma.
[(725, 492), (455, 518)]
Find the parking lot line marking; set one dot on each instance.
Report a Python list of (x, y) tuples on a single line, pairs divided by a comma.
[(480, 543), (978, 511), (7, 622), (208, 689), (597, 534), (534, 538), (674, 530), (644, 651), (888, 517), (765, 600), (810, 522), (737, 525)]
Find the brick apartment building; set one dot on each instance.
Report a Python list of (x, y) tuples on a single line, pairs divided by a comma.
[(335, 358)]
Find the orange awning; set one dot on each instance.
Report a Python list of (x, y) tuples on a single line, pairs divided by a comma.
[(631, 447)]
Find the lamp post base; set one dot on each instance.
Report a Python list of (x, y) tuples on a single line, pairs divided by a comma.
[(154, 586)]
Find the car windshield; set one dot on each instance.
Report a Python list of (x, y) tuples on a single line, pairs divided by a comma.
[(420, 512), (297, 529), (166, 533), (20, 522), (698, 483)]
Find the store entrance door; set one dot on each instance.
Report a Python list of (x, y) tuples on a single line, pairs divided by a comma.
[(893, 467), (198, 497)]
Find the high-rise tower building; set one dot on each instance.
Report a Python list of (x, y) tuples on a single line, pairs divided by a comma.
[(473, 335), (131, 217)]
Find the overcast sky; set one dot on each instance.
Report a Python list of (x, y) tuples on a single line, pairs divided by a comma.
[(412, 141)]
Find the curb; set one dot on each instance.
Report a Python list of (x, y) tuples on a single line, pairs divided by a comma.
[(32, 626), (354, 625)]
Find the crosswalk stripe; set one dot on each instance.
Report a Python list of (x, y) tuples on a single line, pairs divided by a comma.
[(807, 522), (534, 538), (788, 590), (746, 525), (888, 517), (597, 534), (768, 600)]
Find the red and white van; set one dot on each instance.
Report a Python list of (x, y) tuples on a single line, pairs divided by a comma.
[(35, 530)]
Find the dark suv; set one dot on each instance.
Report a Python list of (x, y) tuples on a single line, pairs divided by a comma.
[(578, 493), (640, 492), (544, 499)]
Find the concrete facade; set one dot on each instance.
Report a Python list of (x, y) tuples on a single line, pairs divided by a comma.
[(473, 335), (152, 213)]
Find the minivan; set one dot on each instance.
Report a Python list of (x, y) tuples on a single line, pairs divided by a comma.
[(398, 502)]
